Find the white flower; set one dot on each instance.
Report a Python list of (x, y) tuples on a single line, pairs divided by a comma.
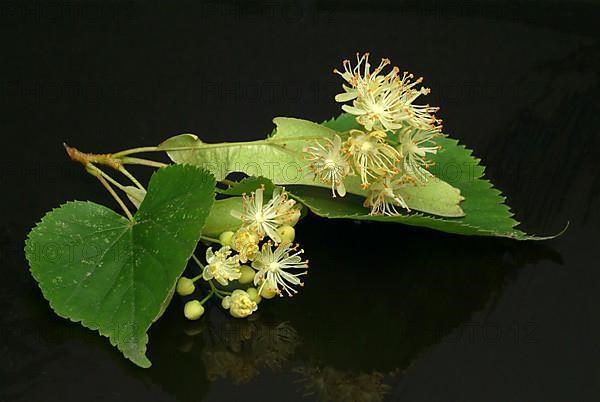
[(371, 155), (360, 77), (221, 267), (421, 116), (384, 197), (273, 266), (266, 218), (415, 144), (239, 304), (329, 164), (384, 102)]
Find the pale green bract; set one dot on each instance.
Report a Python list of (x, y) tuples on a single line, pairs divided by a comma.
[(485, 213), (280, 159), (114, 275)]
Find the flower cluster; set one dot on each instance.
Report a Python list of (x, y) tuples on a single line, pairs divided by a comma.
[(277, 262), (384, 102), (263, 219), (259, 259), (390, 150), (330, 384)]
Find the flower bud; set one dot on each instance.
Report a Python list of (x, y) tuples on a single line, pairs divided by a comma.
[(225, 238), (253, 294), (287, 233), (295, 216), (291, 217), (185, 286), (239, 304), (226, 302), (247, 274), (269, 290), (193, 310)]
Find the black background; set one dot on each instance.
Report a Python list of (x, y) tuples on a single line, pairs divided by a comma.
[(442, 317)]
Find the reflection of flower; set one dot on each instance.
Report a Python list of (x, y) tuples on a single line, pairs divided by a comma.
[(331, 385), (273, 268), (275, 344), (221, 267), (224, 363), (328, 163), (245, 347)]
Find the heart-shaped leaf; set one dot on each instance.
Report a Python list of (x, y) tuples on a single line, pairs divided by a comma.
[(114, 275)]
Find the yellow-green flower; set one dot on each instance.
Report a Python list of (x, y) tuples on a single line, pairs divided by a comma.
[(360, 77), (383, 197), (384, 101), (239, 304), (265, 218), (220, 266), (328, 163), (415, 144), (245, 242), (371, 155)]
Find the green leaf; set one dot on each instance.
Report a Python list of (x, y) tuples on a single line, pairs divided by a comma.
[(280, 159), (114, 275), (486, 214), (250, 184)]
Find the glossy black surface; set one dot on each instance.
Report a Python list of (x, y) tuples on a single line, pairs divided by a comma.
[(389, 312)]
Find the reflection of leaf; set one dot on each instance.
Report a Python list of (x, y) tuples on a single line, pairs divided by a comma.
[(114, 275), (378, 307), (280, 159)]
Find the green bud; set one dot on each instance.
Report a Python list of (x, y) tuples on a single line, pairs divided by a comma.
[(287, 233), (269, 290), (185, 286), (247, 274), (254, 296), (193, 310), (225, 238), (295, 216)]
